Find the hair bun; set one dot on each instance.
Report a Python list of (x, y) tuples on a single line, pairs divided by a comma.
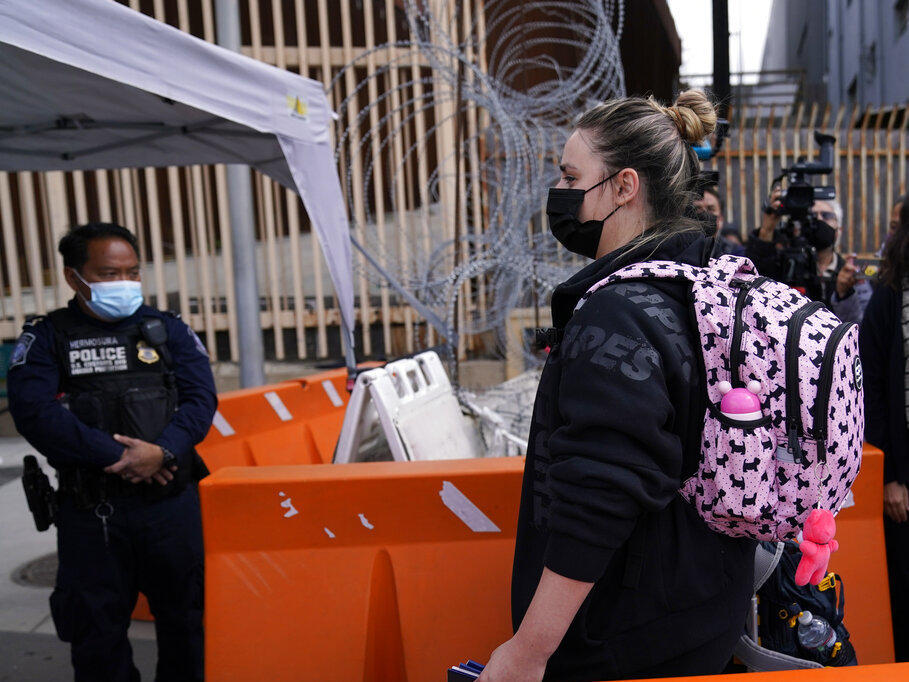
[(694, 115)]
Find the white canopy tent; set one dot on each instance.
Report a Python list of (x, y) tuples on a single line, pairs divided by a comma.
[(88, 84)]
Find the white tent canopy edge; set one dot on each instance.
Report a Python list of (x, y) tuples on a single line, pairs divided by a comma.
[(126, 48)]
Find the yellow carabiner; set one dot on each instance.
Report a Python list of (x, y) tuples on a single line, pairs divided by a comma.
[(828, 582)]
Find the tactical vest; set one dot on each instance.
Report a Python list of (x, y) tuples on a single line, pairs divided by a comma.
[(113, 380)]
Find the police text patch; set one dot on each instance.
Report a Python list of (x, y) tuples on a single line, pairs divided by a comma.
[(97, 355)]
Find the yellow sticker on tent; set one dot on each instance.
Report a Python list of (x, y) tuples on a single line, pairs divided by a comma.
[(297, 106)]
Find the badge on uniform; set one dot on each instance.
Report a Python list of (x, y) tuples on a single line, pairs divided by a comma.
[(147, 354), (20, 351)]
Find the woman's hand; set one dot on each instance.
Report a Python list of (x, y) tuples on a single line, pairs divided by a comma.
[(896, 501), (554, 605), (515, 661)]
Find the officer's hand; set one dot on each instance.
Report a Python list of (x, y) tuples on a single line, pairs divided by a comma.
[(140, 460), (164, 475)]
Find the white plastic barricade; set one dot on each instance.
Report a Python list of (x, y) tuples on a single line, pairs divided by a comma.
[(412, 404)]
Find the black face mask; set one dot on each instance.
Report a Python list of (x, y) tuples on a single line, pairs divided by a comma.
[(824, 235), (562, 208)]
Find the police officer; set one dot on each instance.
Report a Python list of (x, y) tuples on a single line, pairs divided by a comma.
[(116, 395)]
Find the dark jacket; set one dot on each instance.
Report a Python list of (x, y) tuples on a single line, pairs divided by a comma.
[(884, 365), (34, 382), (616, 429)]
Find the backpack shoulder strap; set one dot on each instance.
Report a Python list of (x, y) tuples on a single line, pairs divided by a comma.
[(765, 563), (722, 270), (759, 659), (646, 271)]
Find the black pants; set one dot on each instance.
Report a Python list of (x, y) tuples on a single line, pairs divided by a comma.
[(708, 659), (897, 538), (155, 547)]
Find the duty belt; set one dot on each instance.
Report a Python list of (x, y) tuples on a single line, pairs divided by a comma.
[(88, 488)]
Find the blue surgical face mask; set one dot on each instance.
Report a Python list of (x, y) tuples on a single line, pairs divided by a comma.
[(115, 300)]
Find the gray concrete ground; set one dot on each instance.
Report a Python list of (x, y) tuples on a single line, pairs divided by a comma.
[(35, 657), (29, 648)]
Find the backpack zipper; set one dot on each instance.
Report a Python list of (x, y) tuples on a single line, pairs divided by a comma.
[(736, 355), (819, 428), (794, 427)]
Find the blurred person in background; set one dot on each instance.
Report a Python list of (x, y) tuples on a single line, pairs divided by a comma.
[(729, 240), (893, 222), (884, 346), (711, 203)]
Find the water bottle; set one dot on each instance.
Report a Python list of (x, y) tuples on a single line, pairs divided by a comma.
[(815, 634)]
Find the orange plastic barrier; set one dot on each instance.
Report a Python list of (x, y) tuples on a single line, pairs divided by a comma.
[(361, 572), (307, 434), (356, 571), (894, 672), (861, 562), (293, 422)]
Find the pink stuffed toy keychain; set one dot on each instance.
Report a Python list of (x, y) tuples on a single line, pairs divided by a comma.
[(816, 547)]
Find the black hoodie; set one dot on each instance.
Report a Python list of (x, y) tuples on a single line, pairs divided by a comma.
[(616, 429)]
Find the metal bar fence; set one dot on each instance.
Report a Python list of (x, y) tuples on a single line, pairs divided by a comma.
[(870, 164)]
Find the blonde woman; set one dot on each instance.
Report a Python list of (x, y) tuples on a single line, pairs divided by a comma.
[(615, 576)]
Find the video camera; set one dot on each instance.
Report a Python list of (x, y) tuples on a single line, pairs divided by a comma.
[(802, 234)]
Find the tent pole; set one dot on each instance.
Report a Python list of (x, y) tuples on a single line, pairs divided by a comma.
[(242, 231)]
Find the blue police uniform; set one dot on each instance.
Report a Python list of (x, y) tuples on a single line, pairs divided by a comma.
[(73, 382)]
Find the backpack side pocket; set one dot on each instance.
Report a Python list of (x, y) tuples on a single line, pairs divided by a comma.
[(734, 488)]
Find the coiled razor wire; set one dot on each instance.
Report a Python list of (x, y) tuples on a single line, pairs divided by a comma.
[(528, 99)]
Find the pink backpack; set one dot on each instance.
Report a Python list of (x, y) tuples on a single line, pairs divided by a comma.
[(799, 446)]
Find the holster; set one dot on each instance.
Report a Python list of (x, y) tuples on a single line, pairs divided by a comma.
[(39, 493)]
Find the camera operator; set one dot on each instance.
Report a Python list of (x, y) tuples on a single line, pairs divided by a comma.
[(836, 283)]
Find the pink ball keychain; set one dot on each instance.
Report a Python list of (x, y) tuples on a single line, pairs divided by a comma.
[(741, 404)]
